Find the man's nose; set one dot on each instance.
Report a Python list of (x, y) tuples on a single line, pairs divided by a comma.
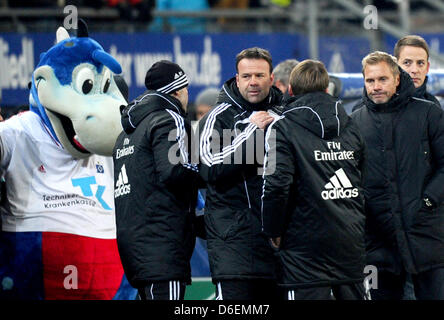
[(377, 86), (414, 69), (253, 81)]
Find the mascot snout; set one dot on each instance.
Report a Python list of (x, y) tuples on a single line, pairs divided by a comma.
[(90, 125)]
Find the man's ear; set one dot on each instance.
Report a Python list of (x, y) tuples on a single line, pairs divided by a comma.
[(237, 79), (278, 84), (290, 91)]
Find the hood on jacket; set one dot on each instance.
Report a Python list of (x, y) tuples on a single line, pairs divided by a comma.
[(319, 113), (404, 92), (230, 94), (150, 101)]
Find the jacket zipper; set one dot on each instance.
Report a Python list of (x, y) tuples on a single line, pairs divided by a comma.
[(246, 120), (246, 191)]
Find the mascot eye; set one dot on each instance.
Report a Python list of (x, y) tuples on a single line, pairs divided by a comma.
[(106, 80), (85, 80), (87, 86), (106, 86)]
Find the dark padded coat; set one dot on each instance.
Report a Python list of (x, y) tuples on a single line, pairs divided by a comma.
[(155, 191), (312, 195), (405, 144)]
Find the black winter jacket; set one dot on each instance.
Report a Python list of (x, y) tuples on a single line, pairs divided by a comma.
[(420, 92), (155, 193), (312, 195), (237, 248), (405, 163)]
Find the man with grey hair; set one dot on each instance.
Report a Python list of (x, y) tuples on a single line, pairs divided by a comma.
[(403, 183), (282, 74), (204, 101)]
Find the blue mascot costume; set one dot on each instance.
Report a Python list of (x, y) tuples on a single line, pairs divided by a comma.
[(58, 235)]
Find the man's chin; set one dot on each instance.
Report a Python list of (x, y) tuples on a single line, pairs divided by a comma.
[(255, 99), (379, 100), (417, 83)]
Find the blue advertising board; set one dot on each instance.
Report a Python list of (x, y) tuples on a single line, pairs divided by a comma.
[(208, 59)]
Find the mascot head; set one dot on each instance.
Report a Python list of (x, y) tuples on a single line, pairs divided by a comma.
[(74, 92)]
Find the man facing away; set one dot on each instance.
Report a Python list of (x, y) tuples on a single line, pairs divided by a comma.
[(156, 189), (403, 189), (312, 203), (241, 261)]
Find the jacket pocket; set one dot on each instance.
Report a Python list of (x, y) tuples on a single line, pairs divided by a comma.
[(424, 213), (228, 223), (423, 217), (275, 250), (426, 156)]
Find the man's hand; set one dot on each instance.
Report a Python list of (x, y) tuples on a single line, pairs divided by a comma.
[(275, 242), (261, 119)]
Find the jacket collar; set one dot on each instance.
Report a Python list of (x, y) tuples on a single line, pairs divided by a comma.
[(149, 102), (420, 92), (318, 112)]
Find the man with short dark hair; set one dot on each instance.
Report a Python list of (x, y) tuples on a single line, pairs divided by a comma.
[(312, 202), (412, 53), (241, 262), (156, 189), (403, 182)]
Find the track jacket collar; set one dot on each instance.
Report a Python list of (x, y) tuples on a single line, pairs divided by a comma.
[(150, 101)]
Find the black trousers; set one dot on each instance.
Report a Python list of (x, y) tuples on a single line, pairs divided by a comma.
[(166, 290), (353, 291), (257, 289), (428, 285)]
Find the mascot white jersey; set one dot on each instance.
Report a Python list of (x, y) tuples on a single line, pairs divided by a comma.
[(58, 221)]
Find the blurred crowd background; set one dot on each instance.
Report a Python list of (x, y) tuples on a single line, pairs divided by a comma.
[(322, 26)]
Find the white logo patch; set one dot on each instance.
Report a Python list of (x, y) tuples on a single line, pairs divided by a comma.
[(339, 187), (122, 185)]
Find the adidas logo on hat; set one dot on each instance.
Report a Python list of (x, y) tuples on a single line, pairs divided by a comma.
[(165, 77), (339, 187)]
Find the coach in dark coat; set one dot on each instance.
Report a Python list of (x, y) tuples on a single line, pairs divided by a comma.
[(404, 185)]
